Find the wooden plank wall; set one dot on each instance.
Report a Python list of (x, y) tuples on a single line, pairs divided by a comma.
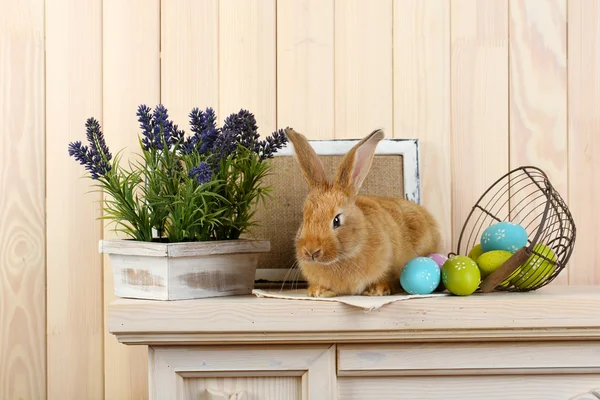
[(486, 85), (22, 202)]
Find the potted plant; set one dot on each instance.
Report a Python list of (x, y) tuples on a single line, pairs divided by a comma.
[(185, 203)]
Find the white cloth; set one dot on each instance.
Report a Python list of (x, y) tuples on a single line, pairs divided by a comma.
[(367, 303)]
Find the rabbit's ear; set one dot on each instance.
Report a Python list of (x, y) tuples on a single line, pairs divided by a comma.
[(310, 164), (356, 164)]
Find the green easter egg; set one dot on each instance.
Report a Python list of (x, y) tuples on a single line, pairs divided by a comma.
[(475, 252), (492, 260), (461, 275), (536, 269)]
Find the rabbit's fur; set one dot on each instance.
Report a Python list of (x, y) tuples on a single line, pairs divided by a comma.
[(363, 250)]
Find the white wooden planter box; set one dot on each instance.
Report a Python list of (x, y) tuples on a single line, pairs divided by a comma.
[(177, 271)]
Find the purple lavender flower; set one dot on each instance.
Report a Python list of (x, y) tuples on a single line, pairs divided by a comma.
[(224, 145), (204, 126), (202, 173), (266, 148), (156, 127), (244, 125), (96, 157)]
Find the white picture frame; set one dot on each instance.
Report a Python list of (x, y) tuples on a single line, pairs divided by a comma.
[(407, 148)]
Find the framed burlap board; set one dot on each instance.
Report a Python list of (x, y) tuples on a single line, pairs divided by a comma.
[(394, 172)]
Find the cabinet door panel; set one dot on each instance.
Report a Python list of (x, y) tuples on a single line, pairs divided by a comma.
[(242, 372)]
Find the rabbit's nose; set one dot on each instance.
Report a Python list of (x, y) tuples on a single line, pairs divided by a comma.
[(313, 254)]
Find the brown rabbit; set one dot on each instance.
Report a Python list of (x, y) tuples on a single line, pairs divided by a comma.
[(349, 244)]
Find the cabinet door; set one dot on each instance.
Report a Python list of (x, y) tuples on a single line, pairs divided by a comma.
[(242, 372)]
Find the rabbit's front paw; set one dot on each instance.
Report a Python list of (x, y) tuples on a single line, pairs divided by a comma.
[(320, 291), (378, 289)]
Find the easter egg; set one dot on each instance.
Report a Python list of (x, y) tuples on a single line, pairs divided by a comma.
[(461, 275), (420, 275), (536, 269), (503, 236), (475, 252), (492, 260), (439, 259)]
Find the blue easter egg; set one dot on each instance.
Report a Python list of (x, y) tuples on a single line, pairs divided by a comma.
[(420, 275), (505, 236)]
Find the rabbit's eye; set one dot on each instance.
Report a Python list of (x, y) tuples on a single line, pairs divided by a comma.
[(337, 222)]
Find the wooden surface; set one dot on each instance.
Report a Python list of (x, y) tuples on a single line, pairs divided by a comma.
[(584, 138), (131, 73), (177, 250), (189, 75), (172, 368), (422, 98), (553, 311), (538, 93), (305, 70), (247, 70), (466, 388), (479, 101), (22, 202), (363, 67), (74, 267), (490, 358)]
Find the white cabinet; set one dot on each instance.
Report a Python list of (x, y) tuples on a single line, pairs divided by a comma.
[(543, 345)]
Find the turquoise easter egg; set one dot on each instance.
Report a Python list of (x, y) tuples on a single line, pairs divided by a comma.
[(505, 236), (420, 275)]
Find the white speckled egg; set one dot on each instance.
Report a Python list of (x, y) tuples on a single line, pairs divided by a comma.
[(505, 236)]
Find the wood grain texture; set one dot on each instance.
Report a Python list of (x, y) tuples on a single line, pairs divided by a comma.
[(263, 388), (189, 57), (584, 137), (131, 63), (525, 358), (422, 98), (22, 201), (479, 101), (538, 96), (74, 266), (305, 70), (517, 316), (247, 58), (363, 67), (466, 388), (127, 247)]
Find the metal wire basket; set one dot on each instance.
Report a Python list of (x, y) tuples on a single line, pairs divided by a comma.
[(526, 197)]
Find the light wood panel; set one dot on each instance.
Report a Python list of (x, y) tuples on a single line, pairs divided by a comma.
[(517, 316), (467, 387), (22, 202), (313, 365), (363, 67), (422, 98), (479, 101), (538, 96), (263, 388), (305, 54), (489, 358), (247, 71), (584, 137), (74, 266), (131, 63), (189, 57)]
